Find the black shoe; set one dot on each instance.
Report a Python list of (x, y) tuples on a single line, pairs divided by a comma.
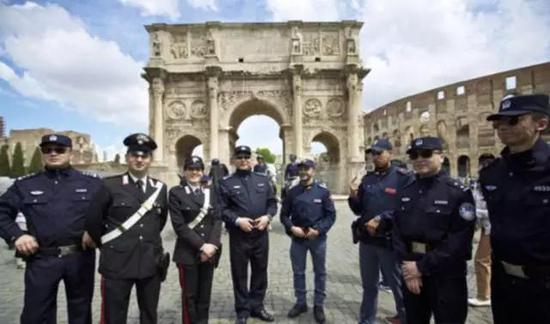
[(263, 315), (319, 314), (241, 320), (296, 310)]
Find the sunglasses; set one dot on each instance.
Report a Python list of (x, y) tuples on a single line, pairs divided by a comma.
[(425, 154), (510, 121), (50, 150), (242, 157)]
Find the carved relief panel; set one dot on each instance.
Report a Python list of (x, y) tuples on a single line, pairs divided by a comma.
[(179, 46), (331, 42), (199, 46)]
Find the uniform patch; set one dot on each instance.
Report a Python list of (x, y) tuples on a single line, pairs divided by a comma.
[(391, 191), (541, 188), (317, 201), (81, 190), (260, 184), (236, 187), (490, 188), (405, 199), (37, 192), (441, 202), (467, 211)]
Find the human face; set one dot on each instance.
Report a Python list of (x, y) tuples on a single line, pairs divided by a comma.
[(519, 132), (243, 162), (426, 162), (381, 159), (193, 175), (56, 156), (306, 174), (138, 163)]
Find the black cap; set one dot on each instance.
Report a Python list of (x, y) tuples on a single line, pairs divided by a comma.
[(140, 142), (260, 157), (193, 162), (307, 163), (243, 149), (380, 145), (426, 143), (56, 139), (521, 105)]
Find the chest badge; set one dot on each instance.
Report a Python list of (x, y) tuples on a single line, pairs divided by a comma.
[(236, 187), (490, 187), (37, 192), (467, 211), (81, 190), (261, 184), (405, 199), (317, 201), (390, 191)]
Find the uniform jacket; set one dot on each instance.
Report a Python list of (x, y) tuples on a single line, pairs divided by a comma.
[(54, 202), (516, 188), (246, 194), (377, 195), (308, 207), (184, 206), (437, 211), (134, 254)]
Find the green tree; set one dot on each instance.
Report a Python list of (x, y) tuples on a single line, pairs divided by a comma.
[(18, 162), (36, 161), (266, 153), (117, 159), (4, 162)]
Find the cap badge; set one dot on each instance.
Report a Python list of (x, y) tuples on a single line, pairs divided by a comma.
[(53, 138), (142, 138), (506, 104), (418, 142)]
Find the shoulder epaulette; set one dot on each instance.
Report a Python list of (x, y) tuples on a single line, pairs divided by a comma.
[(27, 176), (322, 185), (403, 171), (457, 184), (89, 174), (259, 174)]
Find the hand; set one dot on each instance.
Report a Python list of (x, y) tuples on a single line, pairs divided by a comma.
[(87, 241), (312, 233), (410, 270), (414, 285), (26, 244), (204, 257), (298, 232), (209, 249), (353, 189), (262, 222), (245, 224), (372, 225)]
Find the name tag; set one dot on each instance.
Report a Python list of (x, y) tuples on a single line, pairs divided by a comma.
[(81, 190), (490, 187), (317, 201), (441, 202), (236, 187), (260, 184), (405, 199), (37, 192)]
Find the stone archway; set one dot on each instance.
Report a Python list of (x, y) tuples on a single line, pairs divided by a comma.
[(463, 165), (329, 166), (184, 148)]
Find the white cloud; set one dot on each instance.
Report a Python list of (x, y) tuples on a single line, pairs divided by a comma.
[(413, 46), (203, 4), (307, 10), (167, 8), (61, 61)]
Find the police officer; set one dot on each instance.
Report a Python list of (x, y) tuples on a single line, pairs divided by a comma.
[(432, 237), (56, 247), (374, 201), (197, 223), (248, 205), (308, 214), (128, 215), (516, 188), (260, 166), (291, 170)]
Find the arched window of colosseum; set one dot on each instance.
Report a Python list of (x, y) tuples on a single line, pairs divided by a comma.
[(408, 106), (463, 164), (376, 128), (511, 82), (460, 90), (463, 137), (440, 95), (385, 112), (446, 166)]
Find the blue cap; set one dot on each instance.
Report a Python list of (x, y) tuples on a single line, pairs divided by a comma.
[(379, 145), (140, 142), (521, 105), (194, 162), (426, 143), (243, 149), (56, 139), (310, 164)]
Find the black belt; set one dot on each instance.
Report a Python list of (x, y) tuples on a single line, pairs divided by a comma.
[(60, 251)]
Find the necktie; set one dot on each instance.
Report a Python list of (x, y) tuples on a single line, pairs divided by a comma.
[(139, 185)]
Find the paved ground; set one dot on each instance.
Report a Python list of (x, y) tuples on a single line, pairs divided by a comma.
[(343, 287)]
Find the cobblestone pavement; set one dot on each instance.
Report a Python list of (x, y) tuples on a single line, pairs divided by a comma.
[(343, 286)]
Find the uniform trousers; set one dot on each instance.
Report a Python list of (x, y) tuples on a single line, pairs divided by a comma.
[(298, 256), (248, 248), (115, 295), (517, 300), (445, 298), (196, 288), (42, 277)]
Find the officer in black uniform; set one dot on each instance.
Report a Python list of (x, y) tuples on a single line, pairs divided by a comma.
[(432, 236), (56, 247), (516, 188), (248, 205), (308, 214), (374, 201), (260, 166), (128, 215), (197, 223)]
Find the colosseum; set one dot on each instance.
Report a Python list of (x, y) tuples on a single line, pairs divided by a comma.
[(456, 113)]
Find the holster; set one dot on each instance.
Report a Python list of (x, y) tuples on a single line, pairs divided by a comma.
[(163, 261), (355, 231)]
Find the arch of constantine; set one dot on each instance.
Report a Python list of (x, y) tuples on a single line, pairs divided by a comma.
[(205, 79)]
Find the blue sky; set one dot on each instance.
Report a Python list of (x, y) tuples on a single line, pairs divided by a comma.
[(76, 64)]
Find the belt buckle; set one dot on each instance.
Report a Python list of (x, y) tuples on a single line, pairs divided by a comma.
[(418, 247), (65, 250)]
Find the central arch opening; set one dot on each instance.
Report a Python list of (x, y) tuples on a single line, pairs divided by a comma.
[(325, 149)]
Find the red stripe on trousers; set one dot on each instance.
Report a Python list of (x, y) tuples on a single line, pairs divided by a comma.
[(102, 320), (184, 301)]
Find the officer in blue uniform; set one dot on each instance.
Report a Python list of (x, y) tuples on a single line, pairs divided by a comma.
[(308, 214), (56, 247), (516, 188), (196, 220), (374, 201), (248, 205), (432, 237), (129, 214)]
